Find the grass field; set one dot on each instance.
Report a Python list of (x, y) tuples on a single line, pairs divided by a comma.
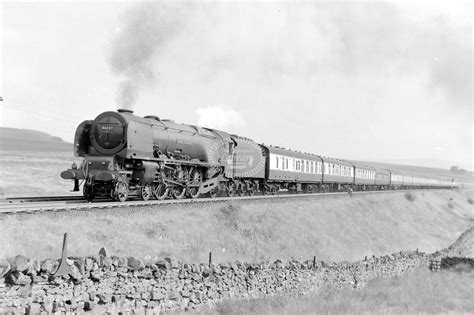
[(421, 291), (332, 228), (34, 173)]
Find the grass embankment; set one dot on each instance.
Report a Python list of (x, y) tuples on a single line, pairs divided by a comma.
[(421, 291), (332, 228)]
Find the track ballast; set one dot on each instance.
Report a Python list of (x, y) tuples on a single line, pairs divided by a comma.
[(73, 203)]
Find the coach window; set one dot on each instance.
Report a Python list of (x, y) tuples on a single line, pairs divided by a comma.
[(276, 161)]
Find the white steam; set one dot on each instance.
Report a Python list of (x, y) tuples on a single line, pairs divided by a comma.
[(220, 117)]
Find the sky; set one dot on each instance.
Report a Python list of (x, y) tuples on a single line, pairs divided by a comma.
[(375, 81)]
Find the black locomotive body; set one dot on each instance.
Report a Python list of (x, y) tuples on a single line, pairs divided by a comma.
[(129, 156), (126, 155)]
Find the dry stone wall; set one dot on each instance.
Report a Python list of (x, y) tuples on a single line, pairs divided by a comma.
[(119, 284)]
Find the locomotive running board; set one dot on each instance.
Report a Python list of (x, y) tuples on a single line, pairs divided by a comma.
[(184, 162)]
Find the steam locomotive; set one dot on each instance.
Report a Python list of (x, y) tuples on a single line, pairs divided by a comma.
[(127, 156)]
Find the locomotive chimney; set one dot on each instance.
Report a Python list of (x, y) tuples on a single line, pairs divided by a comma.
[(123, 110)]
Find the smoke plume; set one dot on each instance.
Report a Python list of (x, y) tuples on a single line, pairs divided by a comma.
[(143, 30)]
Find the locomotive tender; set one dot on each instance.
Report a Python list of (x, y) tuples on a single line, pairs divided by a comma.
[(125, 155)]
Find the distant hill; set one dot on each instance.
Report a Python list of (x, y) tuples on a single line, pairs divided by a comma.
[(12, 139)]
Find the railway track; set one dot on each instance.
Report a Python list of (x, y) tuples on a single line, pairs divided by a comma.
[(40, 199), (68, 203)]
